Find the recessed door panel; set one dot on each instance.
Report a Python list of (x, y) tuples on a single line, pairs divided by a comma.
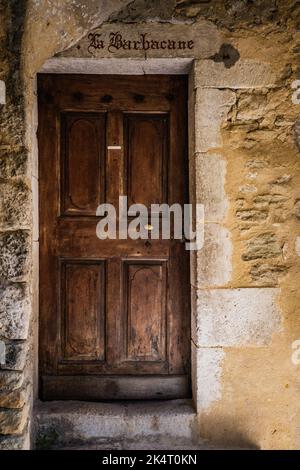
[(82, 162), (146, 158), (83, 311), (146, 316)]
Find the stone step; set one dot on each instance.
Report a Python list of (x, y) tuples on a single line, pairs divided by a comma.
[(123, 425)]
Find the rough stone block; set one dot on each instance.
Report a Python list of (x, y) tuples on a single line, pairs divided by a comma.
[(210, 186), (14, 315), (211, 109), (14, 399), (10, 380), (14, 442), (251, 106), (237, 317), (13, 164), (267, 273), (12, 123), (214, 264), (14, 249), (263, 246), (15, 357), (14, 205), (244, 74), (13, 421)]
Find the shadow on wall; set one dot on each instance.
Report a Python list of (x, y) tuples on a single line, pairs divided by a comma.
[(225, 432)]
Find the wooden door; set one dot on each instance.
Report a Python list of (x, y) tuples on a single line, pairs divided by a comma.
[(114, 314)]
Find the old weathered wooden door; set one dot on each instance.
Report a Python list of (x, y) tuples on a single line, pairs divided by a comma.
[(114, 314)]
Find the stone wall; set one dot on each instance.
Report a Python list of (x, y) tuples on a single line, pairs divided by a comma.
[(15, 215), (245, 169), (259, 380)]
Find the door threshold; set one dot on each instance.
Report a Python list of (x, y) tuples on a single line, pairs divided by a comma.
[(98, 388)]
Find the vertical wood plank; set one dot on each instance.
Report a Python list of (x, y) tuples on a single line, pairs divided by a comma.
[(48, 145), (115, 338), (115, 157)]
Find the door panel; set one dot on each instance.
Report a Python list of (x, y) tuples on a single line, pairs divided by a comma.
[(146, 147), (114, 314), (145, 314), (83, 312), (82, 162)]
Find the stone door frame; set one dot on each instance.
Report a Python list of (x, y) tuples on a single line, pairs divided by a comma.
[(120, 67)]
